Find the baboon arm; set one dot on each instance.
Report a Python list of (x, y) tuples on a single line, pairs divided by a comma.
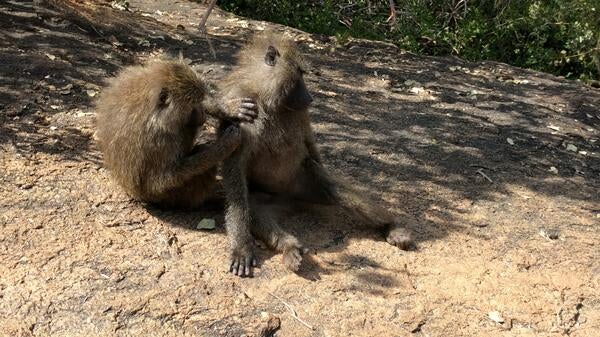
[(215, 108), (202, 159), (232, 108)]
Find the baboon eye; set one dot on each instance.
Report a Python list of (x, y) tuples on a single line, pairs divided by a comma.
[(162, 98), (271, 55)]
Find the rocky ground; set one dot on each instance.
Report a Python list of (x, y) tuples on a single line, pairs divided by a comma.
[(499, 166)]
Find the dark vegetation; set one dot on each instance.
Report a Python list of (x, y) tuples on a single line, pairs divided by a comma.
[(556, 36)]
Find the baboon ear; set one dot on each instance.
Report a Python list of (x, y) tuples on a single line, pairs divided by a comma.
[(162, 98), (271, 56)]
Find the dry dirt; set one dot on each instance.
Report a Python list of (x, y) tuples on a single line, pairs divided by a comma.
[(499, 166)]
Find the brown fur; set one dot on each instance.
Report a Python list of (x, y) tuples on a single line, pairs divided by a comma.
[(279, 154), (147, 119)]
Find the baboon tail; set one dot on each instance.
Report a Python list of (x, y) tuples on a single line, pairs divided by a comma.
[(359, 204)]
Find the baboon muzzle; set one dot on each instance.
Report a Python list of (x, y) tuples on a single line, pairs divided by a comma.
[(299, 97)]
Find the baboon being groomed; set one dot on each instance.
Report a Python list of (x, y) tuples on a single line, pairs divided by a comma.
[(279, 156), (147, 119)]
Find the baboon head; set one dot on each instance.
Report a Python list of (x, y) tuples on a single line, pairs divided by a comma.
[(177, 95), (276, 68), (165, 95)]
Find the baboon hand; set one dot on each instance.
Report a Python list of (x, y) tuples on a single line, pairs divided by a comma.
[(242, 260), (243, 110)]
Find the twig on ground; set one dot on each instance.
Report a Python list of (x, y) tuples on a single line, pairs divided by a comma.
[(292, 312), (210, 46), (482, 166), (480, 171)]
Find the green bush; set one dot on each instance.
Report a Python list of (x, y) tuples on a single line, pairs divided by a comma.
[(556, 36)]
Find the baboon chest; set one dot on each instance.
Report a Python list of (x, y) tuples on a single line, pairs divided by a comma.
[(277, 157)]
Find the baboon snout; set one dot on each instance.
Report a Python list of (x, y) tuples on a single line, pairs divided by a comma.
[(300, 97)]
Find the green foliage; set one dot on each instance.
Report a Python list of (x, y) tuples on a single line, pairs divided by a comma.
[(556, 36)]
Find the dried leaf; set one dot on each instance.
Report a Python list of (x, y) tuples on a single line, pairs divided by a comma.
[(206, 223)]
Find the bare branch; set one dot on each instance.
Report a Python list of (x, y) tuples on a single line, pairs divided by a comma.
[(202, 25), (392, 18)]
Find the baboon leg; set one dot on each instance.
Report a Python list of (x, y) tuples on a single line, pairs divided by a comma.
[(237, 215), (265, 228), (319, 187)]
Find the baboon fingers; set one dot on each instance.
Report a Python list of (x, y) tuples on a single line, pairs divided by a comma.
[(246, 115), (248, 100), (242, 109), (250, 105)]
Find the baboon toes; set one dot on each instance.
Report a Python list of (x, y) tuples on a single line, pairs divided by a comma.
[(242, 264), (292, 258), (401, 238)]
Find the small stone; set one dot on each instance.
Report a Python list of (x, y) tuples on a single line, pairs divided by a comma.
[(553, 170), (550, 234), (496, 317), (417, 90), (510, 141), (571, 147), (412, 83), (270, 327)]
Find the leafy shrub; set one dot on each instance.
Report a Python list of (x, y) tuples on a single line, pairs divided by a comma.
[(556, 36)]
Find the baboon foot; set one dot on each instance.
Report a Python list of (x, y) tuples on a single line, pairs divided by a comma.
[(292, 252), (242, 261), (292, 258)]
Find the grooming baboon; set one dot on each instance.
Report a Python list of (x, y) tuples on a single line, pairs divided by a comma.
[(147, 119), (279, 155)]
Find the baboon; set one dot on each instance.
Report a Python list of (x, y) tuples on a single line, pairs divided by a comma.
[(278, 155), (147, 119)]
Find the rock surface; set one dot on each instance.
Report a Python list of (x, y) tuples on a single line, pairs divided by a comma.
[(428, 135)]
